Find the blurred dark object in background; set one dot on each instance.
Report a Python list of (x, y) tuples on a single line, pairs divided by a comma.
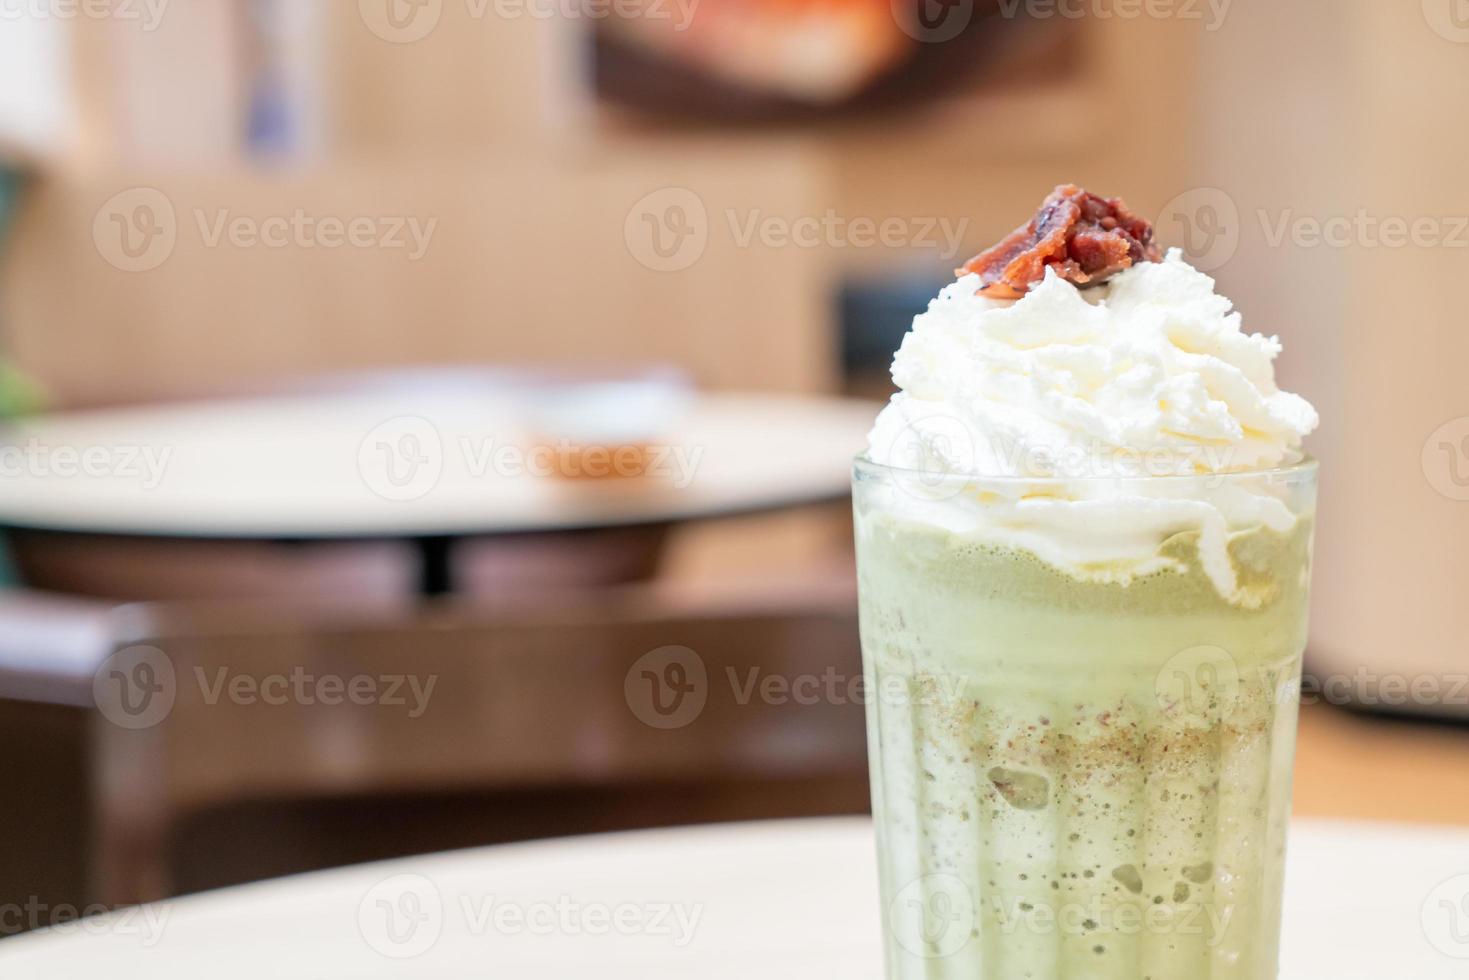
[(11, 177), (817, 52), (782, 60), (875, 313)]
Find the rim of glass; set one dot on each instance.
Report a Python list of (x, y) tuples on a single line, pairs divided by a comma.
[(1301, 464)]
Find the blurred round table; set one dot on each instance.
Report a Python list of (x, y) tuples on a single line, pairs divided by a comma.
[(783, 900), (427, 467)]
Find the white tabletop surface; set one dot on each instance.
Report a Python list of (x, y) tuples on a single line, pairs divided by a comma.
[(793, 900), (461, 463)]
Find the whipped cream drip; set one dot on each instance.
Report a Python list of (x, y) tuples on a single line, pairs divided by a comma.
[(1085, 390)]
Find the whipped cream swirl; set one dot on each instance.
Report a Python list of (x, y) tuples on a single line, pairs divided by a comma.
[(1147, 375)]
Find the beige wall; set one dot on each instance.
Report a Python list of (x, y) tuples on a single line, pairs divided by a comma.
[(159, 91), (470, 82), (529, 259), (480, 125), (473, 127), (1403, 562), (1353, 115)]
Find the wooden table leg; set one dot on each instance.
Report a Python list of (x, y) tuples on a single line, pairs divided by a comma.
[(436, 569)]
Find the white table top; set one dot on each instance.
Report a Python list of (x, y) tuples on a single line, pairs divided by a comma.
[(314, 467), (783, 900)]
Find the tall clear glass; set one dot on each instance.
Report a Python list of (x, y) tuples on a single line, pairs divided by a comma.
[(1081, 770)]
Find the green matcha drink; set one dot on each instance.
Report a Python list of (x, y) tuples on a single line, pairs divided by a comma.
[(1084, 661), (1078, 778)]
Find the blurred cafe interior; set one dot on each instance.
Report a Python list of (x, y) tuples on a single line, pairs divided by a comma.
[(516, 349)]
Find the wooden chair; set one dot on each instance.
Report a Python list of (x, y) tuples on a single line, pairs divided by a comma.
[(49, 648), (617, 713)]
